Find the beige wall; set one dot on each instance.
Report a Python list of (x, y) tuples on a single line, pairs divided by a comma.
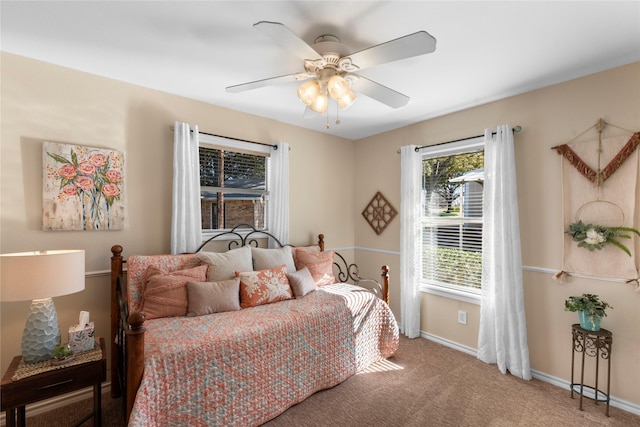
[(43, 102), (331, 182), (549, 116)]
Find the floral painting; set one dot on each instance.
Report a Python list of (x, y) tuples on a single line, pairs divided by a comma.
[(82, 188)]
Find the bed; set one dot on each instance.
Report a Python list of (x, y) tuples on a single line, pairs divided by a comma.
[(240, 360)]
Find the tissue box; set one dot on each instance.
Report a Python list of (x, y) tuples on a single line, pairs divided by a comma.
[(81, 338)]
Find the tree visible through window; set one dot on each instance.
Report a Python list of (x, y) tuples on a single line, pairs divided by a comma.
[(452, 219)]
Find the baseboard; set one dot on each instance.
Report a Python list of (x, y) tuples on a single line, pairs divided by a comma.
[(558, 382), (58, 401), (447, 343)]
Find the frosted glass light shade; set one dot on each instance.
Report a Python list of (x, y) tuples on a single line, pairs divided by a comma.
[(308, 91), (320, 104), (338, 87), (38, 276), (347, 100)]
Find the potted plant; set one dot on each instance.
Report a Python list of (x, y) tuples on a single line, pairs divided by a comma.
[(590, 310), (62, 354)]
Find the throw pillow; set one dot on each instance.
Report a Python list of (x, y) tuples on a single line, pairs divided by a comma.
[(213, 297), (306, 249), (301, 282), (165, 295), (269, 258), (322, 272), (224, 265), (264, 286), (320, 265)]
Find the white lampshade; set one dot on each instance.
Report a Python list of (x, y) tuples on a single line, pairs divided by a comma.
[(41, 274), (38, 276), (337, 87), (308, 91)]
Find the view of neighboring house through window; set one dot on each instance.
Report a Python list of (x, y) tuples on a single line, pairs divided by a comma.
[(452, 184), (233, 186)]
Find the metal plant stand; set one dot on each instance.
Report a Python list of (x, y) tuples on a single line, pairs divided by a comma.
[(594, 344)]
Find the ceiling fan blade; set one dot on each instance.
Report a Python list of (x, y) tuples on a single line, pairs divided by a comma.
[(286, 38), (288, 78), (415, 44), (380, 93)]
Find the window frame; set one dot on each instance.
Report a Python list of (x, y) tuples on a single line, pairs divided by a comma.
[(456, 292), (218, 142)]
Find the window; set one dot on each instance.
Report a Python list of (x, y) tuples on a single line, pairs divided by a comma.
[(452, 184), (234, 184)]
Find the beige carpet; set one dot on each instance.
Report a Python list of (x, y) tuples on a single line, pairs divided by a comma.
[(425, 384)]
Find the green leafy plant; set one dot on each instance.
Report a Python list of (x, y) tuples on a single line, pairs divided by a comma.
[(591, 303), (594, 237), (62, 351)]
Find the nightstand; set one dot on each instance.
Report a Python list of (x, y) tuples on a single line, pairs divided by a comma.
[(59, 380)]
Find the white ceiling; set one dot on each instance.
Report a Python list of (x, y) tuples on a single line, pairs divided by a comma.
[(485, 50)]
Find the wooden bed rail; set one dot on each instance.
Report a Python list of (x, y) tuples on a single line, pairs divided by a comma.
[(116, 271), (127, 348)]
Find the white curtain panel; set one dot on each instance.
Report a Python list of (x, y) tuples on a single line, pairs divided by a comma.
[(503, 332), (278, 221), (185, 213), (410, 246)]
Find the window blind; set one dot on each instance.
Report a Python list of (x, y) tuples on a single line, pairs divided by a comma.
[(452, 219)]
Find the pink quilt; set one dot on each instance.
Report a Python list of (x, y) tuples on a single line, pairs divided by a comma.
[(246, 367)]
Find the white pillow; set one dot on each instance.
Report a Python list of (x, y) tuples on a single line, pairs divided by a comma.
[(265, 259), (222, 266)]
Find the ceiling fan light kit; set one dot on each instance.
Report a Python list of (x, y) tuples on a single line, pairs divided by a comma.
[(329, 68), (313, 93)]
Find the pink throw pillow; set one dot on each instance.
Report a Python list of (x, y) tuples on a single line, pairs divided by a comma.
[(165, 295), (264, 286), (320, 264)]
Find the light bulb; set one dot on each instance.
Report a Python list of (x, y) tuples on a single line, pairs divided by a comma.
[(320, 103), (308, 91), (338, 87), (347, 100)]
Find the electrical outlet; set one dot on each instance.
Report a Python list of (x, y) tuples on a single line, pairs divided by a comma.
[(462, 317)]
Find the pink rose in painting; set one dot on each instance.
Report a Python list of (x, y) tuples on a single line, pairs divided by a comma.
[(114, 176), (67, 171), (85, 183), (86, 168), (110, 190), (70, 190), (98, 160)]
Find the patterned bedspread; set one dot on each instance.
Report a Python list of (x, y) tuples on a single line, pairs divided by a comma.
[(246, 367)]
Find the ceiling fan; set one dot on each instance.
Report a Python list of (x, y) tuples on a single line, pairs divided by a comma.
[(330, 69)]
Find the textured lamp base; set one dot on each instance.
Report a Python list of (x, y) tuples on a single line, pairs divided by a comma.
[(41, 332)]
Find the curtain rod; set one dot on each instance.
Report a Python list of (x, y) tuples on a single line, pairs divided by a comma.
[(514, 129), (274, 146)]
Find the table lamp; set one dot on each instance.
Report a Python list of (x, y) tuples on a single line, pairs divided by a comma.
[(38, 276)]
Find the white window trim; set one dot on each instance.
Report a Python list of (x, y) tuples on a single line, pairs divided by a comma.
[(472, 296), (218, 141), (459, 293)]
